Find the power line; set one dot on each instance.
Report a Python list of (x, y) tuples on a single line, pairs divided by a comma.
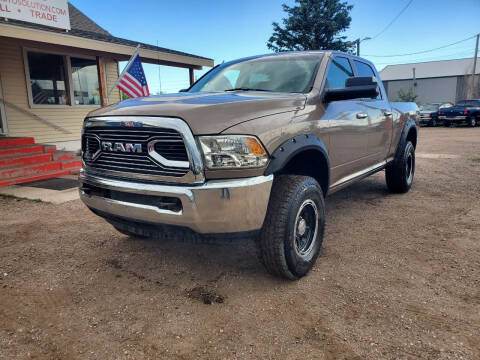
[(425, 51), (394, 19), (459, 55)]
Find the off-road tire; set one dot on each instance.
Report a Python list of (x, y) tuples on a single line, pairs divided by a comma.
[(278, 247), (447, 123), (433, 122), (400, 172)]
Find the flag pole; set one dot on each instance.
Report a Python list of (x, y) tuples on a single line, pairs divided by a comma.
[(124, 69)]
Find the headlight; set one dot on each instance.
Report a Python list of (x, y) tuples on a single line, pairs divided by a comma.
[(233, 152)]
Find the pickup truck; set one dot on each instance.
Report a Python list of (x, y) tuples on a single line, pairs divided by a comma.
[(429, 113), (250, 150), (463, 112)]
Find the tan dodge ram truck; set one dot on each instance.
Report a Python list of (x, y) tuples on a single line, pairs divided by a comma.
[(250, 150)]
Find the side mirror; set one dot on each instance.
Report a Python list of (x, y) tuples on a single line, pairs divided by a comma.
[(183, 90), (357, 87)]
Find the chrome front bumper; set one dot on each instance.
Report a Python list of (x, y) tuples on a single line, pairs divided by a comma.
[(217, 206)]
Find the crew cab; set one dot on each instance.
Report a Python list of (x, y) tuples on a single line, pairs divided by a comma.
[(250, 150), (429, 113), (464, 112)]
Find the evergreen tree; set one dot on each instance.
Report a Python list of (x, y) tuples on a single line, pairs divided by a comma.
[(312, 25)]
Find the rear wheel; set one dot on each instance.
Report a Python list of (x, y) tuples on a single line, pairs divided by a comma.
[(472, 122), (292, 234), (433, 123), (399, 173)]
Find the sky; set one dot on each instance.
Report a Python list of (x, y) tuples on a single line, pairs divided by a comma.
[(225, 30)]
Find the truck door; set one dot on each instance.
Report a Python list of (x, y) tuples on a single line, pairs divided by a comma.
[(348, 121), (379, 128)]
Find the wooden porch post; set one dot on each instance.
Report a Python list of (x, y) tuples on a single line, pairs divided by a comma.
[(101, 81), (190, 72)]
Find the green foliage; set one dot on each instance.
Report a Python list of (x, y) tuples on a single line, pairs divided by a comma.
[(123, 96), (312, 25), (408, 96), (477, 160), (9, 196)]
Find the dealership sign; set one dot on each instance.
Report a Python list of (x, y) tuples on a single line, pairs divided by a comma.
[(45, 12)]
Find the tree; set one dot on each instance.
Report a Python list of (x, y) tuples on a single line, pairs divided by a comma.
[(312, 25), (408, 96)]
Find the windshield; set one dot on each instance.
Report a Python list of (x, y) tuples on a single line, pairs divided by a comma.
[(289, 74), (429, 107), (472, 103)]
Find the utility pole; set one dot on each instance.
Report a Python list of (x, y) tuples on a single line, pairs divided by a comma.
[(358, 46), (474, 65)]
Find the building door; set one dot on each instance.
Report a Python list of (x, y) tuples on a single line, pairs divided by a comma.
[(3, 119)]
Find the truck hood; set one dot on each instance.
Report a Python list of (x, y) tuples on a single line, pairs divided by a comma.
[(208, 113)]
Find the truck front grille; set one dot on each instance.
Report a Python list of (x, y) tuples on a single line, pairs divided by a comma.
[(126, 150)]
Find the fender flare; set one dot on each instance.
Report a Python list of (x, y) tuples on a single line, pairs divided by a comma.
[(409, 124), (294, 146)]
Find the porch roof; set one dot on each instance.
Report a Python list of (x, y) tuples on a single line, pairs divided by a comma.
[(86, 34)]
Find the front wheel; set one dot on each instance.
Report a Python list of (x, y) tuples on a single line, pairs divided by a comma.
[(433, 123), (399, 173), (292, 233)]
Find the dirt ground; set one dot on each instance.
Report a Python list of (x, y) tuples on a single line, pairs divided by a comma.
[(398, 278)]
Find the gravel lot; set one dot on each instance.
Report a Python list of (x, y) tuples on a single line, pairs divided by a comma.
[(398, 278)]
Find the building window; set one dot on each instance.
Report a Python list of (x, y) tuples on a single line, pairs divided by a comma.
[(86, 90), (48, 79), (61, 79)]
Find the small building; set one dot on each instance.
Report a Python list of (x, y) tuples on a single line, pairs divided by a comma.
[(433, 81), (50, 77)]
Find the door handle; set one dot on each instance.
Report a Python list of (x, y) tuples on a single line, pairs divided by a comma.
[(387, 113), (362, 116)]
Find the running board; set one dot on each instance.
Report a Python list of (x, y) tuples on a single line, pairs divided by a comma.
[(348, 180)]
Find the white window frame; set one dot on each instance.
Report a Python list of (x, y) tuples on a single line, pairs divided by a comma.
[(69, 81)]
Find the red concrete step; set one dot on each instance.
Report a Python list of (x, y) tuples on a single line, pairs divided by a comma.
[(49, 148), (31, 170), (26, 149), (64, 155), (24, 160), (52, 174), (74, 163), (16, 141)]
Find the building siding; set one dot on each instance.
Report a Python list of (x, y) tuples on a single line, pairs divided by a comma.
[(431, 90), (12, 74)]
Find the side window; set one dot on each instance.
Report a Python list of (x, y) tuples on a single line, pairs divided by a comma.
[(339, 71), (365, 70)]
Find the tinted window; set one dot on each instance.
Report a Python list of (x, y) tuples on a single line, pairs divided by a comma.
[(473, 103), (365, 70), (339, 71), (47, 78)]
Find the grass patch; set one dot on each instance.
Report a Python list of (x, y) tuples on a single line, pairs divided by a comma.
[(9, 196), (477, 160)]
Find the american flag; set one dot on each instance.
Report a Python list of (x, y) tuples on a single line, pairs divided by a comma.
[(132, 81)]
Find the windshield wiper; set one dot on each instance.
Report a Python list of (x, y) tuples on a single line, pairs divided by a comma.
[(246, 89)]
